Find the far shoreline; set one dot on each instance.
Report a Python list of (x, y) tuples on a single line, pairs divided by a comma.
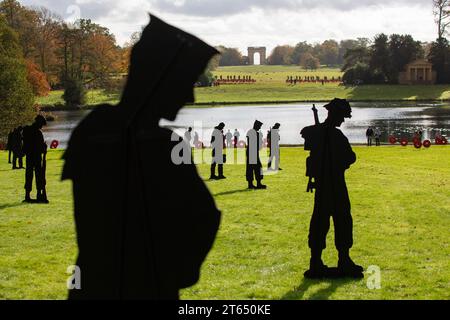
[(214, 104)]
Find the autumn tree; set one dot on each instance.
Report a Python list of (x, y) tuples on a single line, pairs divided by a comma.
[(281, 55), (329, 52), (16, 96), (46, 42), (308, 61), (23, 21), (299, 50), (229, 56), (37, 79)]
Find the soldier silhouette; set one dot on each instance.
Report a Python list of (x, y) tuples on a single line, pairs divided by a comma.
[(369, 135), (16, 145), (9, 145), (188, 135), (253, 162), (35, 151), (273, 141), (331, 154), (236, 136), (140, 235), (229, 138), (17, 148), (217, 139)]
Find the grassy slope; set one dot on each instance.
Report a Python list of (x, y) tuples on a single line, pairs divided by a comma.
[(271, 87), (401, 209)]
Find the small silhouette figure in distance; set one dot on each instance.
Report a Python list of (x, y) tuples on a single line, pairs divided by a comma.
[(273, 141), (9, 145), (144, 223), (218, 157), (236, 136), (330, 156), (229, 138), (369, 135), (17, 148), (188, 136)]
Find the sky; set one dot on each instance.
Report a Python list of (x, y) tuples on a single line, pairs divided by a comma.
[(243, 23)]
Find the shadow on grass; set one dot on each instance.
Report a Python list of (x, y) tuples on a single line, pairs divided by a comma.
[(226, 193), (11, 205), (321, 294)]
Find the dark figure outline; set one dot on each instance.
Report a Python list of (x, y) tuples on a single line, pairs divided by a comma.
[(218, 158), (35, 150), (140, 235), (16, 145), (331, 155), (8, 145), (377, 135), (274, 147), (369, 135), (253, 168), (236, 136)]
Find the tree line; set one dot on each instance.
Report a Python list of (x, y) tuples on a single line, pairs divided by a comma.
[(309, 56)]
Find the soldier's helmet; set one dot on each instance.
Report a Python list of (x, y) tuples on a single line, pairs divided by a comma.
[(276, 126), (40, 119), (257, 124), (339, 107)]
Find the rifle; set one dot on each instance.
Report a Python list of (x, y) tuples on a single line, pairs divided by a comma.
[(316, 115), (42, 196), (311, 184)]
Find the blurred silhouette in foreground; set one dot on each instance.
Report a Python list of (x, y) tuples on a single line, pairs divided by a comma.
[(273, 141), (144, 225), (218, 158), (254, 167), (35, 151), (330, 155)]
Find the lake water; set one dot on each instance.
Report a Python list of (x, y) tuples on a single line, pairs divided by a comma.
[(399, 119)]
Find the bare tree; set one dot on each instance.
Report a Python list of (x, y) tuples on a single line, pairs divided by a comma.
[(441, 11)]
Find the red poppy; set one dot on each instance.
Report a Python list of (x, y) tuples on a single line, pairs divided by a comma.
[(404, 142)]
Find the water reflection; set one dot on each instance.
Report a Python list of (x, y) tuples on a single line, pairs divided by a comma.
[(401, 119)]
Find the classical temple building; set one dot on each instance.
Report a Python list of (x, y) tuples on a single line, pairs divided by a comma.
[(418, 72)]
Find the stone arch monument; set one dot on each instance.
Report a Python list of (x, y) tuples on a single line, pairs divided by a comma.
[(251, 55)]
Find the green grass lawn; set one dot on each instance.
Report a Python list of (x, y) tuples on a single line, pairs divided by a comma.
[(271, 87), (401, 210)]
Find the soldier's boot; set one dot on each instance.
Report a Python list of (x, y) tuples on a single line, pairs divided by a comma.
[(347, 267), (213, 176), (27, 197), (250, 185), (221, 176), (42, 197), (317, 269), (259, 185)]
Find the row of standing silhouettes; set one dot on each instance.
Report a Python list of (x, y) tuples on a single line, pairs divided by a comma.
[(254, 137)]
